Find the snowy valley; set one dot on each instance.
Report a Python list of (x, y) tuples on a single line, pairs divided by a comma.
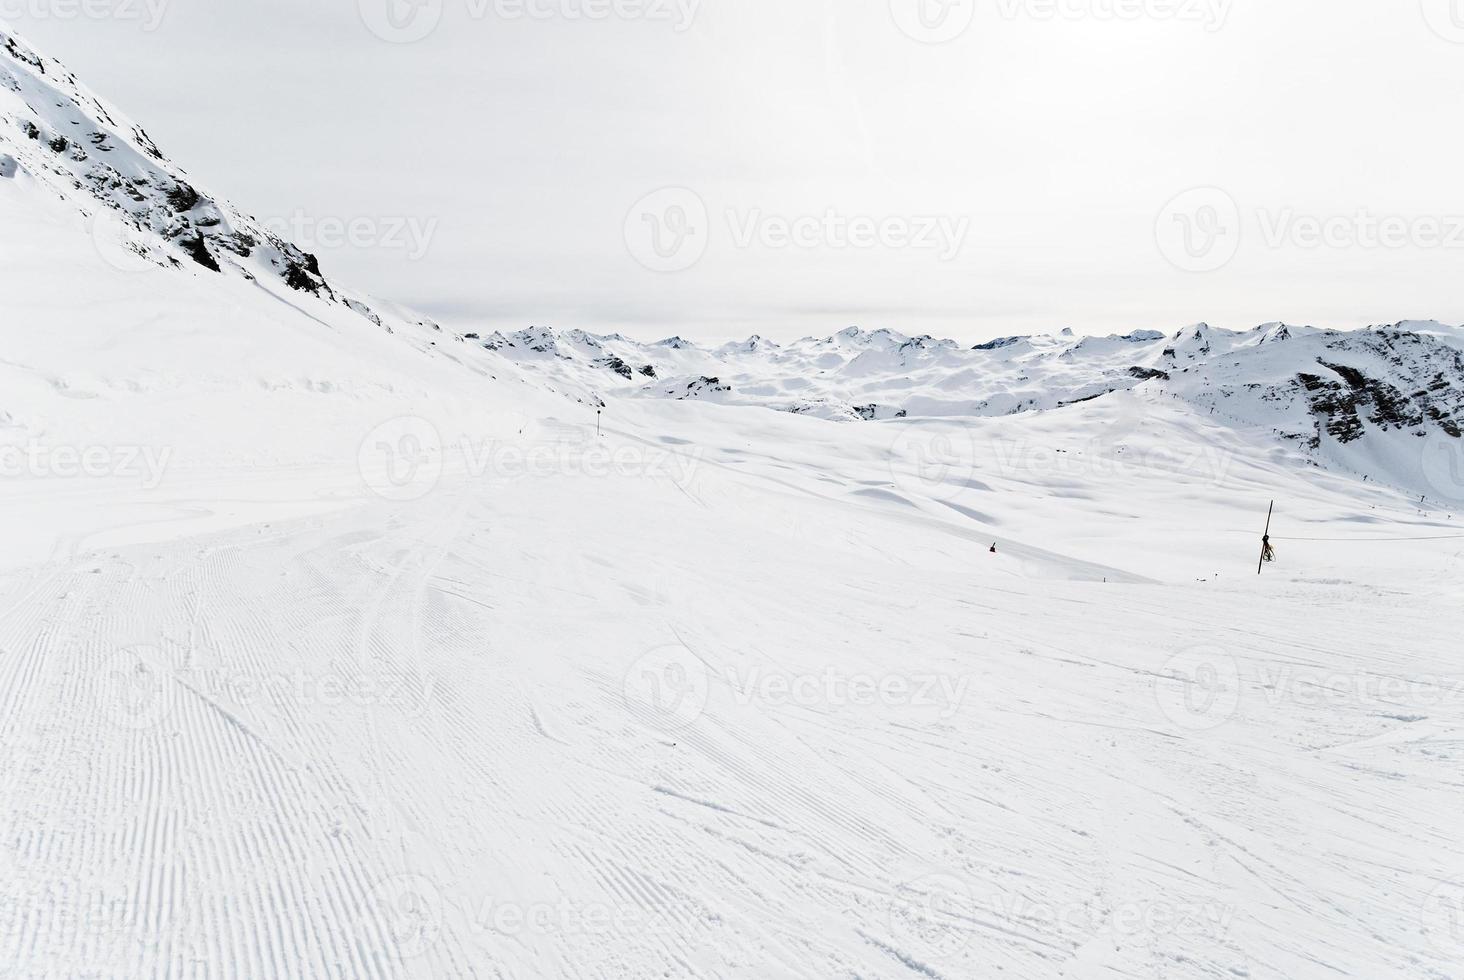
[(336, 643)]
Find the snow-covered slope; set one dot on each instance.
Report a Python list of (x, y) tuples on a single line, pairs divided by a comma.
[(125, 362), (334, 652), (1379, 402), (138, 204)]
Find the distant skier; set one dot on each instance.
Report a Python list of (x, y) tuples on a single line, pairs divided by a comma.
[(1268, 553), (993, 549)]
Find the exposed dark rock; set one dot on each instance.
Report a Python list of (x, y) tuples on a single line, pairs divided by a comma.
[(182, 197), (617, 365), (1088, 398), (1342, 407), (238, 242), (362, 309), (298, 278), (22, 55), (197, 250), (148, 146), (704, 385)]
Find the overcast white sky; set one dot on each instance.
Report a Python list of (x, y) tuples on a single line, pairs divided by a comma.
[(828, 164)]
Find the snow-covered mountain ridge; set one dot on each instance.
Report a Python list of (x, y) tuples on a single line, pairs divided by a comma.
[(1319, 389), (1310, 384), (332, 647), (140, 207)]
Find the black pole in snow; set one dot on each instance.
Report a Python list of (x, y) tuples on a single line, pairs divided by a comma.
[(1266, 539)]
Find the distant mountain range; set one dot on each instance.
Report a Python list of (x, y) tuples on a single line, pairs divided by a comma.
[(1326, 392), (1311, 385)]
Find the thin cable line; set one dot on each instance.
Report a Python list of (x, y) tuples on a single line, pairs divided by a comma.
[(1440, 537)]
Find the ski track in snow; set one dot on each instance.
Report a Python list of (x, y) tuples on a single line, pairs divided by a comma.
[(599, 721), (395, 741)]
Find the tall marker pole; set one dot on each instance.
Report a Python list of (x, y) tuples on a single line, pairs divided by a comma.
[(1266, 539)]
